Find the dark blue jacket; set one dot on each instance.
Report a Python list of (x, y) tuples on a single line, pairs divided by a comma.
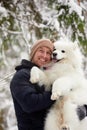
[(31, 102)]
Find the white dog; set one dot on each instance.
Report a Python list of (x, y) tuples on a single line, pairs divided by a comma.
[(69, 86)]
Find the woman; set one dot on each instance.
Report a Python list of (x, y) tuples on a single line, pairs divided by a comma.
[(31, 101)]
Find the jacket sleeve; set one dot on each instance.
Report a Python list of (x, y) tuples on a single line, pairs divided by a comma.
[(26, 95)]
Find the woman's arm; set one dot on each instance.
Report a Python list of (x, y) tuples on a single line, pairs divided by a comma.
[(26, 95)]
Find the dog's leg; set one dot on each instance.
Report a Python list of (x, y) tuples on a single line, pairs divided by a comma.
[(61, 87), (52, 120), (71, 120), (39, 76), (35, 75)]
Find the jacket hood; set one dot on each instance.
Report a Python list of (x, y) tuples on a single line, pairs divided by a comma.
[(25, 64)]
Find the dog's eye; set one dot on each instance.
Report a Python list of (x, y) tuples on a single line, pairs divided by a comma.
[(62, 51), (54, 49)]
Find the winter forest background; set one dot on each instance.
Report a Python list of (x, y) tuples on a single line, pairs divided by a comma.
[(22, 22)]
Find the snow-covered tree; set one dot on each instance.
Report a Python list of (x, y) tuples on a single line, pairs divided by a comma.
[(22, 22)]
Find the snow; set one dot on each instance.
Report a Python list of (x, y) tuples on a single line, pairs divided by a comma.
[(75, 7), (3, 10)]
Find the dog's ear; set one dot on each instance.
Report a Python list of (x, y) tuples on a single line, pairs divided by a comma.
[(75, 45)]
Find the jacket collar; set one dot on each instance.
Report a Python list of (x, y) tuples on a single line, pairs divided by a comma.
[(25, 64)]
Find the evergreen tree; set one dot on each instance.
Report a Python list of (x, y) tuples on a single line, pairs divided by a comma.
[(22, 22)]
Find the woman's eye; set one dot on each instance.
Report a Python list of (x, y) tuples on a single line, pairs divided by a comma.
[(49, 53), (41, 50)]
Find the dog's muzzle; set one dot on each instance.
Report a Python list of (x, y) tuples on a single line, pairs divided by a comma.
[(54, 58)]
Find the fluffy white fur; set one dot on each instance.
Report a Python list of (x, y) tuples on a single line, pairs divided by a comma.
[(69, 87)]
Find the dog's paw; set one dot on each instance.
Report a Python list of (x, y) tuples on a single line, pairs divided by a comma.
[(65, 127), (55, 96), (34, 75)]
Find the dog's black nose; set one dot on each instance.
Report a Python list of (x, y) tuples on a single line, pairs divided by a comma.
[(54, 54)]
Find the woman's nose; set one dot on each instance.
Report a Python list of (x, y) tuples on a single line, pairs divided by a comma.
[(44, 55)]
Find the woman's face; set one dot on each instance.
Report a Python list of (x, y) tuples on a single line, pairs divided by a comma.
[(42, 56)]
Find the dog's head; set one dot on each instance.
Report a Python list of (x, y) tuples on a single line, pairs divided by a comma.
[(59, 54), (66, 50)]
